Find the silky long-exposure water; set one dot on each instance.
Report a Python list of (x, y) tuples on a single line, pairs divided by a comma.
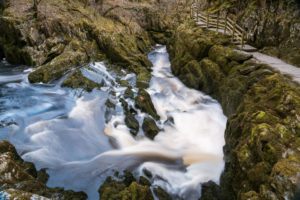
[(68, 132)]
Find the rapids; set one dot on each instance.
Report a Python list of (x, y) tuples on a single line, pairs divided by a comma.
[(70, 133)]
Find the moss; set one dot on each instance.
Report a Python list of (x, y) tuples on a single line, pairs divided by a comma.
[(132, 123), (42, 176), (251, 195), (210, 191), (123, 83), (143, 79), (77, 80), (24, 181), (161, 194), (259, 173), (144, 181), (112, 189), (150, 128), (143, 102), (59, 66), (128, 94), (261, 106), (109, 104)]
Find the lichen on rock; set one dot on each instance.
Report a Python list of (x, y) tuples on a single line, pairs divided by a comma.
[(262, 105)]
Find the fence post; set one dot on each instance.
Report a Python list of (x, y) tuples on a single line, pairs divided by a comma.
[(243, 38), (225, 24), (233, 31), (218, 22), (192, 11), (207, 22), (197, 13)]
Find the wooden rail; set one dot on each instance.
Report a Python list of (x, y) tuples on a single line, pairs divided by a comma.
[(220, 23)]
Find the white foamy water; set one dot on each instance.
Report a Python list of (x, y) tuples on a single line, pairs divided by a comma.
[(67, 133)]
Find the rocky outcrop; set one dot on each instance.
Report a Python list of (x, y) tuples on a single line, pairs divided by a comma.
[(127, 188), (60, 39), (262, 152), (273, 25), (21, 180), (144, 103)]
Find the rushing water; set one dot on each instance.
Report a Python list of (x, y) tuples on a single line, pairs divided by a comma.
[(68, 132)]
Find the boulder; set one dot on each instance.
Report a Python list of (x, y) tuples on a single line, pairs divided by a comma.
[(144, 103), (150, 128)]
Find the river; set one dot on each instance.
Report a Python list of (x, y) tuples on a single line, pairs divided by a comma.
[(69, 132)]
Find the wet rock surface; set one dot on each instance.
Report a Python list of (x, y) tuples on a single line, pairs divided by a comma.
[(126, 188), (21, 180), (261, 152), (143, 102), (150, 128)]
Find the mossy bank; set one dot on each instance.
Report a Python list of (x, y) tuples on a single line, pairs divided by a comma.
[(273, 26), (262, 152)]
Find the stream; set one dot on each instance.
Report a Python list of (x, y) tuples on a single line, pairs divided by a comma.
[(70, 132)]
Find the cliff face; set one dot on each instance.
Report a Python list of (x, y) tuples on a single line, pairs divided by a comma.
[(262, 136), (274, 25), (65, 34)]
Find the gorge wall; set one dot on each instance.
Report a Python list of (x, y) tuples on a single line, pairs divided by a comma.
[(262, 135), (274, 25)]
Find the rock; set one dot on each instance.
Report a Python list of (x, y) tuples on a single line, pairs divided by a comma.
[(143, 79), (127, 189), (144, 181), (77, 80), (42, 176), (132, 123), (109, 104), (123, 83), (128, 93), (147, 173), (143, 102), (150, 128), (24, 180), (161, 194), (261, 106), (210, 191)]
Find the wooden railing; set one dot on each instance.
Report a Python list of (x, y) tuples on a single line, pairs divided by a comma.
[(220, 22)]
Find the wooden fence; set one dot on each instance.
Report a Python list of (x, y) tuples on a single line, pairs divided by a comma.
[(220, 23)]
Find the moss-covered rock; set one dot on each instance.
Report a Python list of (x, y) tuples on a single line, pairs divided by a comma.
[(161, 194), (77, 80), (261, 105), (57, 67), (127, 189), (20, 179), (210, 191), (143, 102), (128, 94), (132, 123), (150, 128)]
